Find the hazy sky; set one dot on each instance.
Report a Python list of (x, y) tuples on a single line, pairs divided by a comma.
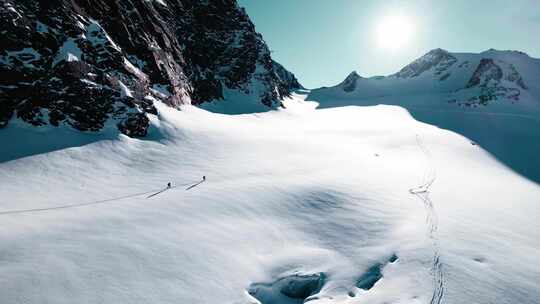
[(322, 41)]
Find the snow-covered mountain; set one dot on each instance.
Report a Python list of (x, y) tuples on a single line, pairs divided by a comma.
[(328, 205), (470, 80), (367, 205), (90, 63), (492, 98)]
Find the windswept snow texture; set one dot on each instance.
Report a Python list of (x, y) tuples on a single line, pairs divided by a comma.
[(300, 203), (493, 98)]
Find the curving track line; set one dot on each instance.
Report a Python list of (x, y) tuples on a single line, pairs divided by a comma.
[(76, 205), (422, 193)]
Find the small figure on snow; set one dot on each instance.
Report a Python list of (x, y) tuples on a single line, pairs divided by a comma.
[(204, 178), (169, 185)]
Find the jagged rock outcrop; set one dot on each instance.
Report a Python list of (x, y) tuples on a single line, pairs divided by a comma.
[(486, 71), (349, 84), (286, 77), (494, 79), (86, 63)]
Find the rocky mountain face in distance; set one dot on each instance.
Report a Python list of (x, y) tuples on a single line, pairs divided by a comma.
[(469, 80), (89, 63)]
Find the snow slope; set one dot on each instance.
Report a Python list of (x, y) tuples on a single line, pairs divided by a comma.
[(298, 204), (493, 98)]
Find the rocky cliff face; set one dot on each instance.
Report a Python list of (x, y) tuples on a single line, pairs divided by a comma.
[(87, 63), (495, 79)]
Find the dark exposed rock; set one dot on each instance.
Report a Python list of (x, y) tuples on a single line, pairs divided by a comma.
[(84, 62), (439, 59), (486, 71), (444, 77), (135, 125), (374, 273), (488, 79), (349, 84)]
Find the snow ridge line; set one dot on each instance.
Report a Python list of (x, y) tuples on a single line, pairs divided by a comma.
[(422, 192), (517, 115), (68, 206)]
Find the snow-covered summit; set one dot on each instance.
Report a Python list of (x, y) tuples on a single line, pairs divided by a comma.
[(349, 84), (468, 79)]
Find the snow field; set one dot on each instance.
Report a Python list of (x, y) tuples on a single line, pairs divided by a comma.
[(290, 195)]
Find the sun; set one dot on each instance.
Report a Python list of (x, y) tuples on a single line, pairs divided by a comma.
[(394, 32)]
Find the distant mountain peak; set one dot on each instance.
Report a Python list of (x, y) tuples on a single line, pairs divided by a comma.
[(349, 84), (467, 79), (439, 58), (438, 51), (354, 74)]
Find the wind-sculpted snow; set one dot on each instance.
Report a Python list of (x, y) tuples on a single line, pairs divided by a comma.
[(331, 220)]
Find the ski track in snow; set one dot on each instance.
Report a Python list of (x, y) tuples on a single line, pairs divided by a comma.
[(422, 192), (195, 185), (153, 193)]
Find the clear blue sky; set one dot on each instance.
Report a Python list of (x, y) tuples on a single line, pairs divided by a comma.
[(322, 41)]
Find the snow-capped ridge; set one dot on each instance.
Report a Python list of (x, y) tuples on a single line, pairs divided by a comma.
[(496, 52), (353, 74), (468, 79), (349, 84), (439, 59)]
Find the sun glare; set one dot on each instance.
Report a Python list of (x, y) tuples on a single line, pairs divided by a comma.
[(394, 32)]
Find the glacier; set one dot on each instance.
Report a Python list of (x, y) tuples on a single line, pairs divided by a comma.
[(300, 204)]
